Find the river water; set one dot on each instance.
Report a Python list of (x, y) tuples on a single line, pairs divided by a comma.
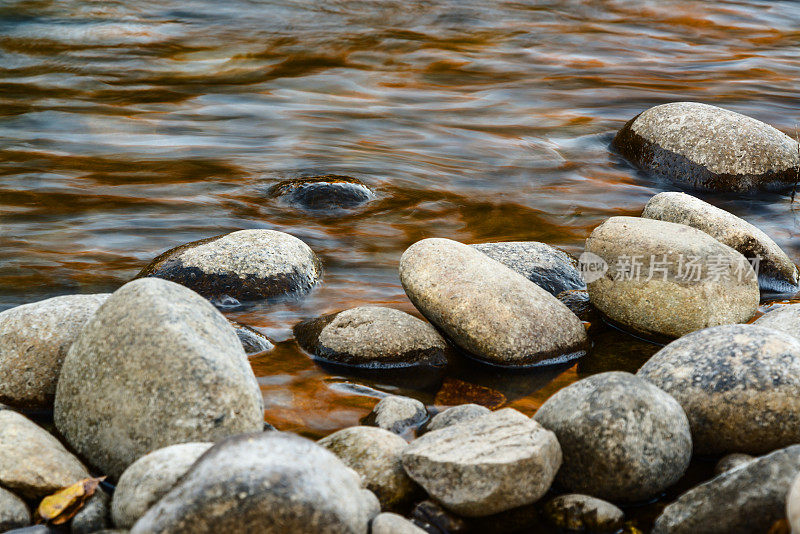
[(127, 128)]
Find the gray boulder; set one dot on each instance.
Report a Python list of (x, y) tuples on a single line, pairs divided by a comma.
[(707, 147), (548, 267), (33, 463), (738, 384), (493, 463), (13, 512), (397, 414), (776, 272), (786, 319), (456, 414), (329, 193), (749, 499), (272, 482), (668, 279), (373, 337), (243, 265), (388, 523), (490, 311), (623, 439), (149, 478), (583, 513), (162, 366), (34, 339)]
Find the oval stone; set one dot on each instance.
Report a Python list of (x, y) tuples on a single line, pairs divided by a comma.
[(327, 193), (786, 319)]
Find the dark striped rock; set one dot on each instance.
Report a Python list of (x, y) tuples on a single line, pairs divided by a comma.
[(623, 439), (707, 147), (786, 319), (13, 512), (244, 265), (327, 193), (776, 272), (738, 384)]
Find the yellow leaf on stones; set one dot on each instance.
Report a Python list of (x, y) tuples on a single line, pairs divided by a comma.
[(62, 506)]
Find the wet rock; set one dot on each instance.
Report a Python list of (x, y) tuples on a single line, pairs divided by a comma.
[(33, 463), (397, 414), (94, 516), (548, 267), (696, 281), (490, 311), (243, 265), (253, 341), (464, 468), (579, 303), (34, 339), (793, 505), (706, 147), (623, 439), (582, 513), (456, 414), (161, 366), (330, 193), (786, 319), (375, 454), (149, 478), (731, 461), (744, 500), (374, 337), (434, 518), (388, 523), (776, 272), (271, 482), (13, 511), (738, 384)]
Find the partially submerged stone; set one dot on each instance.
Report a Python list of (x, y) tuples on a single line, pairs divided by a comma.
[(584, 513), (786, 319), (397, 414), (253, 341), (707, 147), (326, 193)]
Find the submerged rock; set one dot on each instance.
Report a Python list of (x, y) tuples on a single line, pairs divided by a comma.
[(707, 147), (490, 311), (623, 439), (373, 337), (456, 414), (548, 267), (34, 339), (667, 279), (493, 463), (744, 500), (271, 482), (582, 513), (397, 414), (776, 272), (243, 265), (253, 341), (785, 319), (161, 366), (739, 386), (13, 512), (329, 192)]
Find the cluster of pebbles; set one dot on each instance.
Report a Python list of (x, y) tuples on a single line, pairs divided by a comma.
[(151, 387)]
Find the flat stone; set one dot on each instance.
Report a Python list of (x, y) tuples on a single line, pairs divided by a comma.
[(623, 439), (33, 463), (330, 193), (749, 499), (94, 516), (785, 319), (253, 341), (271, 482), (707, 147), (548, 267), (13, 512), (696, 281), (493, 463), (34, 339), (397, 414), (731, 461), (495, 314), (456, 414), (375, 454), (583, 513), (149, 478), (776, 272), (161, 366), (373, 337), (389, 523), (244, 265), (738, 384)]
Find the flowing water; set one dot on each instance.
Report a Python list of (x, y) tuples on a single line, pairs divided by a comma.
[(127, 128)]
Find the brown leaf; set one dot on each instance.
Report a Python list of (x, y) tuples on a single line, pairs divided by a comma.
[(62, 506)]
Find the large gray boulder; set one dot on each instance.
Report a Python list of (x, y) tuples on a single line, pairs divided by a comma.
[(548, 267), (13, 512), (707, 147), (33, 463), (776, 272), (739, 386), (149, 478), (486, 465), (667, 279), (156, 365), (745, 500), (34, 340), (492, 312), (623, 439), (243, 265), (786, 319), (272, 482), (373, 337)]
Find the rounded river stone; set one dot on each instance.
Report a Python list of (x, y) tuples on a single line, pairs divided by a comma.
[(389, 523), (253, 341), (397, 414), (456, 414), (786, 319), (330, 192), (14, 512), (583, 513)]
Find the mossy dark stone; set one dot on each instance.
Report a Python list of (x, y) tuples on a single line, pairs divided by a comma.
[(330, 192)]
